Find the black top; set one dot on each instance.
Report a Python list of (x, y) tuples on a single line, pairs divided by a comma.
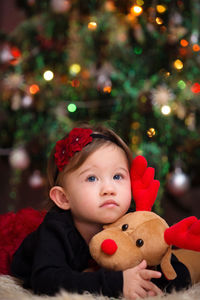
[(55, 256)]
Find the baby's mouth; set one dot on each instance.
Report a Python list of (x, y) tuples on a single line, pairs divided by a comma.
[(109, 203)]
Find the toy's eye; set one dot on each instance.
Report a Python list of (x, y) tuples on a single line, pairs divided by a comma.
[(139, 243), (124, 227)]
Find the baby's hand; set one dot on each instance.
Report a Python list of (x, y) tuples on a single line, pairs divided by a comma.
[(137, 282)]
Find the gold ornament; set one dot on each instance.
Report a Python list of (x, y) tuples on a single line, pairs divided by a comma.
[(151, 132)]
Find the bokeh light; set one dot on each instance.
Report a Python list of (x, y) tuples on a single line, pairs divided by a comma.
[(165, 110), (72, 107), (136, 10), (48, 75), (74, 69), (92, 26), (178, 64), (184, 43), (160, 8), (34, 89)]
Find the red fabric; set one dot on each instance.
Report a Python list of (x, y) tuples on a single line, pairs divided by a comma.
[(14, 227), (144, 186), (184, 234)]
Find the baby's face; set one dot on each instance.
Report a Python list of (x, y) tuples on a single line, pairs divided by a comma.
[(99, 191)]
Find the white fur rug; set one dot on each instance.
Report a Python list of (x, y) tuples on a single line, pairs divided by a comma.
[(10, 289)]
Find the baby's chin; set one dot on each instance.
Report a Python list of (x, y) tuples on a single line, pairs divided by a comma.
[(110, 219)]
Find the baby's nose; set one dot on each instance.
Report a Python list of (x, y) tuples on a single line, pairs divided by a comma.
[(108, 189), (109, 246)]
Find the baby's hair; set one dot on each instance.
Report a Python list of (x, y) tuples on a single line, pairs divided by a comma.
[(56, 178)]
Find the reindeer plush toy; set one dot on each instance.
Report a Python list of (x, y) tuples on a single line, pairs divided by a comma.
[(145, 235)]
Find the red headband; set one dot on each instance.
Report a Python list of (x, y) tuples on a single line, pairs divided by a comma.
[(77, 139), (65, 149)]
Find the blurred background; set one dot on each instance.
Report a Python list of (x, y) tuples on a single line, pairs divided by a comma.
[(133, 65)]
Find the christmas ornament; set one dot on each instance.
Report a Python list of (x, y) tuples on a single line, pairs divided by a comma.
[(180, 111), (19, 158), (13, 81), (194, 38), (16, 101), (60, 6), (5, 54), (104, 83), (27, 101), (36, 181), (190, 121), (162, 95), (151, 132), (178, 182)]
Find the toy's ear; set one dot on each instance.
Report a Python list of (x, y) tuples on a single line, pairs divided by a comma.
[(166, 266)]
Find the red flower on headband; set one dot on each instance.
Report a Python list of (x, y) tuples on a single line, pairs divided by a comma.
[(77, 139)]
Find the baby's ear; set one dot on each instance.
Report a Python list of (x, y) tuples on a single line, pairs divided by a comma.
[(58, 196)]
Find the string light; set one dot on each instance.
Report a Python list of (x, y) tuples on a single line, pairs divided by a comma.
[(196, 47), (160, 9), (72, 107), (159, 21), (167, 74), (184, 43), (178, 64), (74, 69), (92, 26), (138, 50), (151, 132), (34, 89), (48, 75), (135, 125), (136, 10), (181, 84), (107, 89), (195, 88), (165, 110), (15, 52), (135, 139)]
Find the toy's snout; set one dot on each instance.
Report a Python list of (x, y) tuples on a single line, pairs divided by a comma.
[(109, 246)]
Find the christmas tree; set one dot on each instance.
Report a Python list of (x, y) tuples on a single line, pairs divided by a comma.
[(131, 65)]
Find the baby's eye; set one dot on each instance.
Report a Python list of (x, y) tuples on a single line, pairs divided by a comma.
[(91, 178), (117, 177)]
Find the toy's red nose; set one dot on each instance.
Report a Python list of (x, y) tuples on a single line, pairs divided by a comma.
[(109, 246)]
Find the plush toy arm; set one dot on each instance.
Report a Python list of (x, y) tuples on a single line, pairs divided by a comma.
[(144, 186), (184, 234)]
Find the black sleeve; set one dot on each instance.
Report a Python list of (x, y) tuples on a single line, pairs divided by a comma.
[(182, 280), (53, 268)]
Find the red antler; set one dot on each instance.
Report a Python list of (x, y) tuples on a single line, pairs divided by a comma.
[(185, 234), (144, 187)]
